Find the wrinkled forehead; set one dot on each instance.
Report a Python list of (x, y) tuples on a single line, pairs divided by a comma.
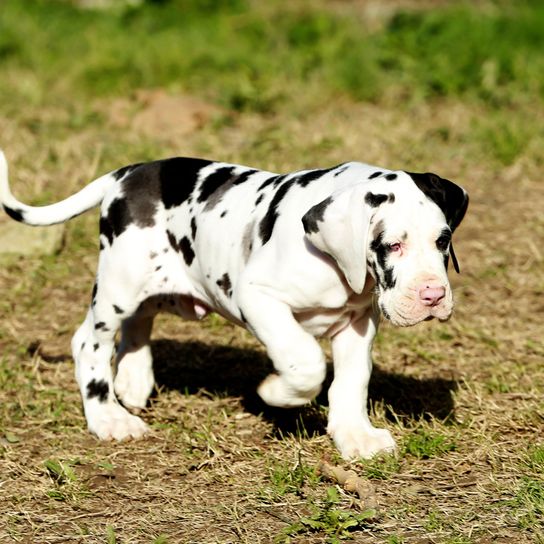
[(408, 210)]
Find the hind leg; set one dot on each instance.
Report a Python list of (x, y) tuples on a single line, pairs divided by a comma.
[(121, 278), (92, 347), (134, 379)]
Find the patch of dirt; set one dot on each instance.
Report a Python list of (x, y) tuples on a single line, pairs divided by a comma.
[(159, 115)]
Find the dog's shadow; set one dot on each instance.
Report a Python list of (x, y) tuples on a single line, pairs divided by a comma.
[(228, 371)]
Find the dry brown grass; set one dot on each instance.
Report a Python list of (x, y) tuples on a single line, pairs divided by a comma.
[(219, 465)]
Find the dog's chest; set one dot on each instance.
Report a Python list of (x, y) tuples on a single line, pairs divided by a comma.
[(322, 322)]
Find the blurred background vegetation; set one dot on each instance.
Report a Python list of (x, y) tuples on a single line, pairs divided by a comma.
[(274, 57), (255, 55)]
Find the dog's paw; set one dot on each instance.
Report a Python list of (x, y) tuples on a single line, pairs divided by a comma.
[(276, 392), (112, 421), (133, 383), (354, 442)]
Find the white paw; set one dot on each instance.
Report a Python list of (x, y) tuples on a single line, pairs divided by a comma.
[(111, 421), (276, 392), (133, 383), (353, 442)]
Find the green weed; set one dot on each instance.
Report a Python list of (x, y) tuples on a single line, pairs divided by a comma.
[(67, 486), (424, 444), (381, 467), (336, 523)]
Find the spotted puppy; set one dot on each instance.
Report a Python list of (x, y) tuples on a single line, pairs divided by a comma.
[(292, 257)]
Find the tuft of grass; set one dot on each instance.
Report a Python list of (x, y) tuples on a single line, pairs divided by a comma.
[(381, 467), (327, 518), (67, 486), (288, 479), (110, 535), (425, 444)]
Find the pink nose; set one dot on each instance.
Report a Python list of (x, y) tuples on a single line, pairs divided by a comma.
[(431, 296)]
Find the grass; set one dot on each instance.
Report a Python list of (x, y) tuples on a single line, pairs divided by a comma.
[(450, 87)]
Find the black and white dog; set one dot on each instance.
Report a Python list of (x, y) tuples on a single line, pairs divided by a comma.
[(291, 257)]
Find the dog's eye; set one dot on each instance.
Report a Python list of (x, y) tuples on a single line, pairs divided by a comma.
[(442, 243), (394, 247)]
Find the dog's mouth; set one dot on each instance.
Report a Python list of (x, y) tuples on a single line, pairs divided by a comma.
[(401, 318)]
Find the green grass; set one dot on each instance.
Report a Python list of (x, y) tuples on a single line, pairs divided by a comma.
[(494, 55), (425, 444), (327, 518)]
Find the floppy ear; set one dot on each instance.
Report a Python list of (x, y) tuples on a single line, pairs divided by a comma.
[(449, 197), (339, 226)]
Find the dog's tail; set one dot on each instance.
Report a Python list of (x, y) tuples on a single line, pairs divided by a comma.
[(90, 196)]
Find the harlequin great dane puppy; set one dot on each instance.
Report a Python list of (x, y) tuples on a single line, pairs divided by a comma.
[(290, 257)]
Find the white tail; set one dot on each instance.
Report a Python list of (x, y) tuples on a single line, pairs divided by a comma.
[(90, 196)]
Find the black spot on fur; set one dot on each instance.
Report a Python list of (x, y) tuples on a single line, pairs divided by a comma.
[(225, 284), (14, 214), (98, 389), (117, 310), (314, 215), (382, 250), (243, 177), (269, 181), (388, 280), (82, 345), (117, 219), (223, 213), (187, 250), (96, 346), (106, 229), (375, 200), (391, 177), (172, 240), (259, 199), (266, 226), (178, 178), (341, 169), (100, 326), (212, 182), (122, 172), (193, 228), (375, 175), (391, 198), (152, 255), (304, 179), (157, 268), (93, 294), (279, 180)]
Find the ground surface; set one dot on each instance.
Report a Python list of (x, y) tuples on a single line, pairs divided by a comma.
[(463, 398)]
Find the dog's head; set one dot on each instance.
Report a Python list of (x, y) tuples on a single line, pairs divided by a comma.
[(397, 228)]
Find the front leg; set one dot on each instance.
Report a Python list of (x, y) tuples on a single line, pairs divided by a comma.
[(349, 424), (296, 355)]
